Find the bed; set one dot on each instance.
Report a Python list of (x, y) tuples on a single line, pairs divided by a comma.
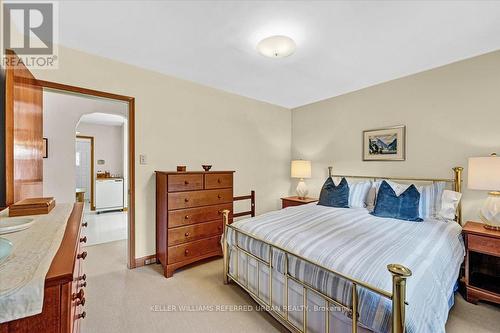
[(324, 269)]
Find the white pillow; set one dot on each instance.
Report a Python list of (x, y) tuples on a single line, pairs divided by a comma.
[(358, 192), (449, 204)]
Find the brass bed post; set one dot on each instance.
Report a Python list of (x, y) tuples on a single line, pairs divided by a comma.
[(399, 275), (225, 247), (458, 188)]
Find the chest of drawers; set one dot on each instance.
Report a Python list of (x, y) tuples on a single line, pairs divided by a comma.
[(189, 209)]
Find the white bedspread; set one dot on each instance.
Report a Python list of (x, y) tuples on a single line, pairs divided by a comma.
[(22, 275), (360, 245)]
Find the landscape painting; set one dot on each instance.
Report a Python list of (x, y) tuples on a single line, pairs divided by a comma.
[(385, 144)]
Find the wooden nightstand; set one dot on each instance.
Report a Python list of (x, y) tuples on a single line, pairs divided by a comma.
[(295, 201), (482, 263)]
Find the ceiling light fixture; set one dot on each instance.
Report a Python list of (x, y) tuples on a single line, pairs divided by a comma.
[(276, 46)]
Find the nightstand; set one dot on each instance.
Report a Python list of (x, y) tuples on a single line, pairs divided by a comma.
[(295, 201), (482, 263)]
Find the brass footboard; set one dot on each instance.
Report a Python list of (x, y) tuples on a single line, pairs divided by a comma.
[(399, 275)]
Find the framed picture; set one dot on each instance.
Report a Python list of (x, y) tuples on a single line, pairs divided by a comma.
[(45, 148), (385, 144)]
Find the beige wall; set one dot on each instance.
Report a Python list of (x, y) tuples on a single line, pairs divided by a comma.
[(179, 122), (450, 113)]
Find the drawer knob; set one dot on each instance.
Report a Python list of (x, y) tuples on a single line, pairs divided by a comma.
[(186, 234), (83, 285), (79, 295), (85, 224), (83, 239), (82, 255), (186, 217), (219, 181), (81, 302), (186, 200), (219, 196), (186, 182), (219, 228), (81, 315), (82, 278), (186, 252)]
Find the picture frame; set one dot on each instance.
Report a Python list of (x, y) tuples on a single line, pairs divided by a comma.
[(385, 144), (45, 148)]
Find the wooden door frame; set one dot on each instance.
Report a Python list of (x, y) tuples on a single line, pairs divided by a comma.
[(92, 170), (131, 149)]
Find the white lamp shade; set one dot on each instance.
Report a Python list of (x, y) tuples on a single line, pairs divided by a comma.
[(484, 173), (301, 169)]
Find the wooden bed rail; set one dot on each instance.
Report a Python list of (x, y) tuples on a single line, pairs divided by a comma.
[(250, 212)]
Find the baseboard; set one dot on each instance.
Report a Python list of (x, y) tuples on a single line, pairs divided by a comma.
[(151, 259)]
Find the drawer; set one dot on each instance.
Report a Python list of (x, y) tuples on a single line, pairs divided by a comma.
[(182, 217), (194, 232), (193, 249), (289, 203), (482, 244), (199, 198), (184, 182), (218, 180)]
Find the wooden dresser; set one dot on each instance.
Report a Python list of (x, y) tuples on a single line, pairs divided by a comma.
[(189, 216), (482, 263), (64, 295)]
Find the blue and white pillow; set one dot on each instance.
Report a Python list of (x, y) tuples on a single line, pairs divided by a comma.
[(358, 192), (430, 199), (333, 195), (399, 203)]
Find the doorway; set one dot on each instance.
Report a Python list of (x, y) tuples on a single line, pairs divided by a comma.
[(84, 162), (101, 148), (126, 226)]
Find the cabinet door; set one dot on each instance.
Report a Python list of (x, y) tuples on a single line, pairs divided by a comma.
[(23, 134)]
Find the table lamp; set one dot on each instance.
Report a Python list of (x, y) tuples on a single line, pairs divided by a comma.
[(484, 174), (301, 169)]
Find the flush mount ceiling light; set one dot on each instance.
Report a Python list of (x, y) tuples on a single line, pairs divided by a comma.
[(276, 46)]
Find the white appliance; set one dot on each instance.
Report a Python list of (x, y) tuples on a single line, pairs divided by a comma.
[(109, 194)]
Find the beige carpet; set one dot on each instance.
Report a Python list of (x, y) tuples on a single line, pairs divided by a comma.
[(142, 300)]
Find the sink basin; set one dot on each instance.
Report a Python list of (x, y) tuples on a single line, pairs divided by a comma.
[(13, 224), (5, 249)]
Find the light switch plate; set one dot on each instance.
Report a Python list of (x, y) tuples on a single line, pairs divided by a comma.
[(143, 160)]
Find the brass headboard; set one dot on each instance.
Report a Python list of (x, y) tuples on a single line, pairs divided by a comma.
[(456, 182)]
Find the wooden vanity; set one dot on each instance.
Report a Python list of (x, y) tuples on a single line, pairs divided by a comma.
[(64, 294)]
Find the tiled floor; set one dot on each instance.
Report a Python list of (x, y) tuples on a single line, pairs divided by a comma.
[(105, 227)]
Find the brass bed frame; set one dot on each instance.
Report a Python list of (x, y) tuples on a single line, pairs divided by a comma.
[(399, 272)]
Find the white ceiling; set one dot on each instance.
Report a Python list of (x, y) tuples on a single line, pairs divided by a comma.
[(342, 46), (102, 119)]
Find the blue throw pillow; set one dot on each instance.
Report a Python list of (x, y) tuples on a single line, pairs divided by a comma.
[(334, 196), (402, 207)]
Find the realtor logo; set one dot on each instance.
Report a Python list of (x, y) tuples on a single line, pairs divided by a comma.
[(29, 29)]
